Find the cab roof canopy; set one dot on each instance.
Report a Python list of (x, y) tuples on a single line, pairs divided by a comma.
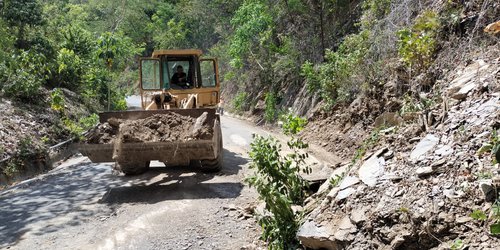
[(177, 52)]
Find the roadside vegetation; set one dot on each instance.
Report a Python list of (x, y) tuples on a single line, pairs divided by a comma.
[(279, 184)]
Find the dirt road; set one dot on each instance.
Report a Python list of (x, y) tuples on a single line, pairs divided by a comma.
[(83, 205)]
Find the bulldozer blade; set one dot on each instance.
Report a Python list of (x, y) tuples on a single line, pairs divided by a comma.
[(168, 151)]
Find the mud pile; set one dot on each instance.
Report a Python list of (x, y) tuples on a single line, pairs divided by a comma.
[(157, 128)]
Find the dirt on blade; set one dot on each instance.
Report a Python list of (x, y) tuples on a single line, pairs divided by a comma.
[(156, 128)]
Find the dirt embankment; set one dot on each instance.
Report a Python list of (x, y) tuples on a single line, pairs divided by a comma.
[(29, 132), (157, 128)]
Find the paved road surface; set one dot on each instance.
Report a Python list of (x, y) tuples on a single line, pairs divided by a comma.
[(83, 205)]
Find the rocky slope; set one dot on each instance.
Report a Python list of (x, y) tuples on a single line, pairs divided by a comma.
[(421, 177)]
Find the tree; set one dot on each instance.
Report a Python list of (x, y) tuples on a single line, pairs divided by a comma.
[(19, 14), (253, 25)]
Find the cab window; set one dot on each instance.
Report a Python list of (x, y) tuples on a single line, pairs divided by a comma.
[(208, 76), (150, 74), (181, 66)]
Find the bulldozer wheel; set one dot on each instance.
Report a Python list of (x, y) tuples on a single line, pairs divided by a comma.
[(214, 165), (134, 168)]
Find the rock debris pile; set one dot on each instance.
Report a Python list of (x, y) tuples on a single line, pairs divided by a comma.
[(418, 188), (157, 128)]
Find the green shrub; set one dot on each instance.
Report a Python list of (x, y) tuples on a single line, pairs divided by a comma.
[(28, 148), (76, 129), (95, 92), (119, 103), (478, 215), (252, 24), (25, 74), (278, 182), (12, 167), (279, 185), (378, 8), (417, 45), (270, 111), (311, 77), (336, 77), (239, 101), (292, 124), (57, 100), (78, 40), (69, 69), (89, 121)]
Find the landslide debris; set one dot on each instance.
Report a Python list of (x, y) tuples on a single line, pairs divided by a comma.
[(422, 180), (157, 128)]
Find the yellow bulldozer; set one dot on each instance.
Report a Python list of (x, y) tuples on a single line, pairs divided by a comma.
[(171, 81)]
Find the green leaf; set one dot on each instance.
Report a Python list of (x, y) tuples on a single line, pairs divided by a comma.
[(486, 148), (495, 228), (478, 215)]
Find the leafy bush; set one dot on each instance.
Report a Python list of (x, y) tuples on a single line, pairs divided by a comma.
[(77, 128), (25, 74), (97, 81), (478, 215), (378, 8), (69, 69), (417, 45), (11, 168), (270, 112), (279, 184), (78, 40), (239, 101), (310, 75), (28, 148), (292, 124), (89, 121), (6, 41), (57, 100), (119, 103), (74, 129), (336, 77)]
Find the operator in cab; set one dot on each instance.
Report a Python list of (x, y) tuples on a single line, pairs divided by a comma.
[(180, 78)]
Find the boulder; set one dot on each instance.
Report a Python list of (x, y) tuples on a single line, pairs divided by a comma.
[(444, 150), (315, 236), (424, 171), (466, 81), (371, 170), (424, 146), (345, 193), (332, 234), (348, 181)]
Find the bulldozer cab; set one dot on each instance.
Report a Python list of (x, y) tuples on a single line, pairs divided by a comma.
[(179, 79)]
